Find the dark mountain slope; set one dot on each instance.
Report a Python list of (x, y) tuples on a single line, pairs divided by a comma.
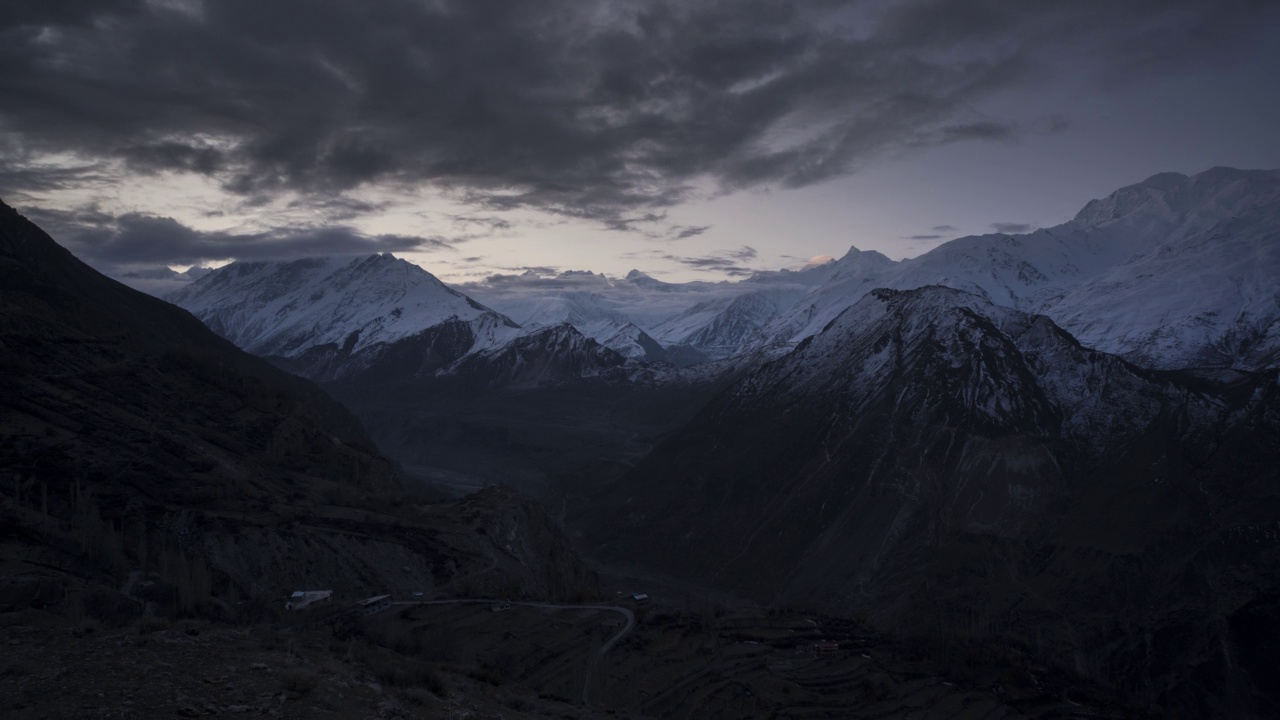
[(544, 412), (947, 468), (139, 450), (93, 363), (455, 392)]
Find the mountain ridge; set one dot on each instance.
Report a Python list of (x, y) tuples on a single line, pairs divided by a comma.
[(930, 455), (346, 308), (1117, 274), (1174, 271)]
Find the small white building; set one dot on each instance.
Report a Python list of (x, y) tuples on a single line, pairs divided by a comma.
[(303, 599), (373, 605)]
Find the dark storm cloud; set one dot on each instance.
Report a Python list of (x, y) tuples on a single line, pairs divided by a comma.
[(728, 262), (63, 12), (687, 231), (923, 237), (1121, 39), (944, 228), (339, 208), (19, 180), (131, 240), (1011, 228), (490, 223), (705, 263), (171, 155), (595, 110)]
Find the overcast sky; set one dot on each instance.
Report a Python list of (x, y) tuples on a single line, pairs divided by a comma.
[(689, 139)]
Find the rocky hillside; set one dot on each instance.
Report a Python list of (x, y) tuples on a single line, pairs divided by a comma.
[(948, 467), (158, 463)]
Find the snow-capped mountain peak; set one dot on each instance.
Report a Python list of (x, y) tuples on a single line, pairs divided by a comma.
[(285, 309), (857, 262), (648, 282), (633, 343)]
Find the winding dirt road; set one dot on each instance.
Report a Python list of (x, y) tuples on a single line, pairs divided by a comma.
[(595, 660)]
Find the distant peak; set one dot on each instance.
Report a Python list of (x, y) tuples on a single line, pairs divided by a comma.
[(861, 257), (1165, 181), (1175, 192), (1222, 174), (637, 275), (854, 251), (1170, 181), (561, 329)]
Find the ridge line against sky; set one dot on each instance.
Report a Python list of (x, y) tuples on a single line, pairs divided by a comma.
[(688, 139)]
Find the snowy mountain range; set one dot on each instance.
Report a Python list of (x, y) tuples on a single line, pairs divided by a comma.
[(729, 326), (594, 316), (1175, 271), (725, 324)]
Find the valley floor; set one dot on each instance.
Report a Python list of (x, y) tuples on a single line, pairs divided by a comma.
[(463, 659)]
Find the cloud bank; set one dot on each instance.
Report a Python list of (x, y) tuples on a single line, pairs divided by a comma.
[(588, 109)]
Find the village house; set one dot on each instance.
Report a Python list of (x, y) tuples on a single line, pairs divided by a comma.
[(373, 605), (303, 599)]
